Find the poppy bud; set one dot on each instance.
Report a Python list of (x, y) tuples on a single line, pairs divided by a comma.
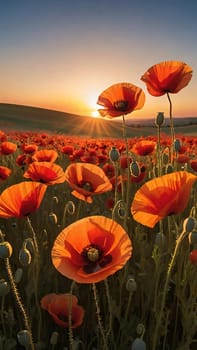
[(138, 344), (24, 257), (5, 250), (189, 224), (177, 145), (29, 244), (18, 275), (54, 338), (24, 338), (114, 154), (4, 287), (135, 169), (193, 237), (159, 119), (131, 285), (70, 207), (53, 218)]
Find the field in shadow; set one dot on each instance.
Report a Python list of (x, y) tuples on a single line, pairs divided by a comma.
[(26, 118)]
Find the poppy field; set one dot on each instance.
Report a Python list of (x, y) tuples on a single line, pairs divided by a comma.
[(98, 237)]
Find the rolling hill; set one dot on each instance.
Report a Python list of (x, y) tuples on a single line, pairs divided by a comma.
[(26, 118)]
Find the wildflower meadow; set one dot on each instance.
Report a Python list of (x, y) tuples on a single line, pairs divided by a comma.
[(98, 237)]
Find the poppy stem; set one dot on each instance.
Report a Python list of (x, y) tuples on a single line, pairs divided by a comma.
[(18, 301), (105, 347), (70, 332), (171, 124), (110, 330), (128, 173), (159, 150), (36, 268), (165, 290)]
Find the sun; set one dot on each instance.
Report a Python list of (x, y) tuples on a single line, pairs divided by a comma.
[(95, 114)]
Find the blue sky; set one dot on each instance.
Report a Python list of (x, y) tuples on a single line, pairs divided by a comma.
[(62, 54)]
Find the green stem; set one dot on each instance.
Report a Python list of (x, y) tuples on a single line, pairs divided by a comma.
[(105, 347), (171, 126), (128, 173), (110, 330), (70, 331), (165, 289), (36, 270), (18, 301)]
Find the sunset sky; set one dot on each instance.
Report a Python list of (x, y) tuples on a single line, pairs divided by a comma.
[(62, 54)]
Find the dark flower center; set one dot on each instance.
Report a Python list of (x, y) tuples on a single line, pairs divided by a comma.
[(87, 186), (94, 258), (121, 105)]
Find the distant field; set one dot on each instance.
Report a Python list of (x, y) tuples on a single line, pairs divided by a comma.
[(25, 118)]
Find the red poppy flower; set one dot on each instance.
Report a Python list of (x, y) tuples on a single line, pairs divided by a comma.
[(21, 199), (91, 249), (4, 172), (162, 196), (23, 159), (120, 99), (125, 161), (167, 76), (109, 170), (58, 306), (144, 147), (182, 159), (30, 148), (193, 164), (45, 172), (67, 150), (7, 147), (87, 180), (45, 155), (3, 136)]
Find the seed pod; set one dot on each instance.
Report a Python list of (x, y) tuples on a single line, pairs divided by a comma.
[(53, 218), (24, 257), (135, 168), (138, 344), (189, 224), (18, 275), (159, 119), (165, 156), (114, 154), (131, 285), (177, 145), (4, 287), (5, 250), (193, 237), (54, 338), (169, 169), (24, 338)]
